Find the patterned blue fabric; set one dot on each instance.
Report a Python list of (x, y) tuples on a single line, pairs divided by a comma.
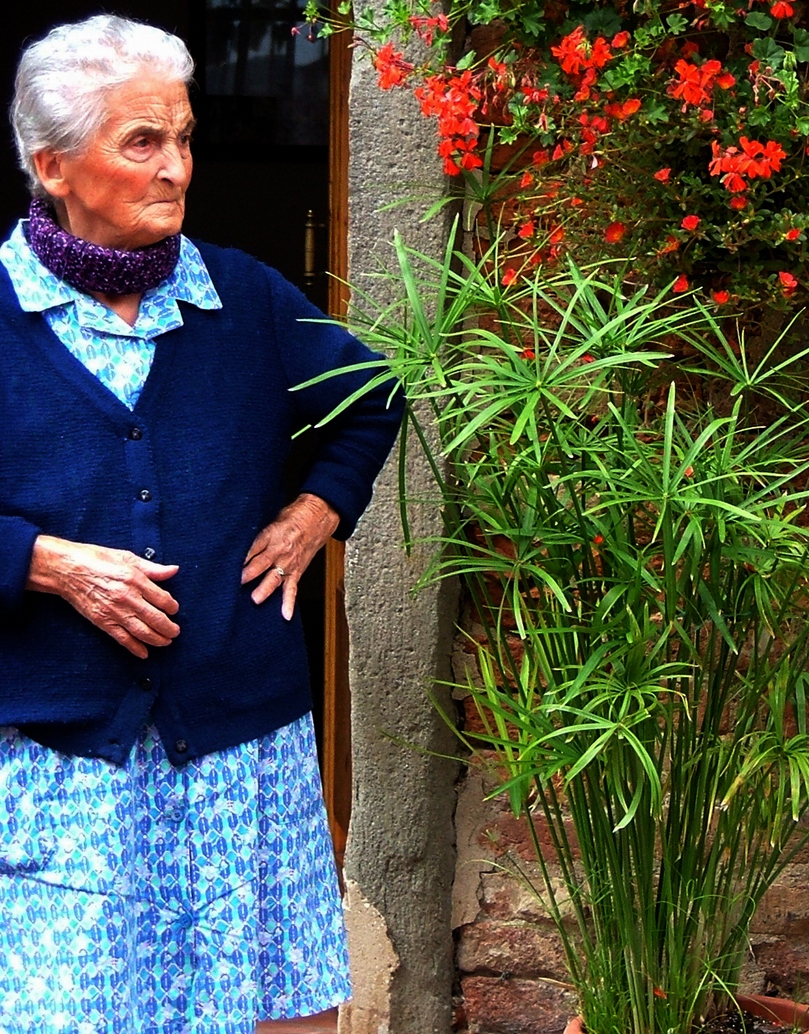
[(154, 900), (147, 899), (119, 355)]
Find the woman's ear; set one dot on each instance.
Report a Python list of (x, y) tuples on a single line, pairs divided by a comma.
[(48, 165)]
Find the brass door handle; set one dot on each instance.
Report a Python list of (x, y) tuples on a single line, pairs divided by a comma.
[(311, 226)]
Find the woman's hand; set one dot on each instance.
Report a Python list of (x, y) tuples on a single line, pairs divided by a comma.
[(284, 549), (113, 588)]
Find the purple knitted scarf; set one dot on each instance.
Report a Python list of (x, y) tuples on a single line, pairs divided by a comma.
[(91, 268)]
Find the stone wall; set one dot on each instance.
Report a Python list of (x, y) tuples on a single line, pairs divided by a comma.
[(400, 855)]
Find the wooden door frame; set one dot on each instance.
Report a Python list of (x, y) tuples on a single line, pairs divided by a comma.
[(336, 761)]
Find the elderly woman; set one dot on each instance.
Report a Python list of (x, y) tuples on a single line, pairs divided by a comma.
[(164, 861)]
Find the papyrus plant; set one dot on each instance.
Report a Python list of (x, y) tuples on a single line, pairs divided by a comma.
[(624, 499)]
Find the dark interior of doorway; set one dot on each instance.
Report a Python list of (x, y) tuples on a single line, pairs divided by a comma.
[(245, 194)]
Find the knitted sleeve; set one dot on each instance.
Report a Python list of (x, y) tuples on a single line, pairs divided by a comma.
[(354, 446), (17, 538)]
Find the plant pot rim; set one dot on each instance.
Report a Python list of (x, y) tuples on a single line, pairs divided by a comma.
[(776, 1010)]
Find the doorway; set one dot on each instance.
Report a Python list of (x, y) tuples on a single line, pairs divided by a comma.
[(269, 178)]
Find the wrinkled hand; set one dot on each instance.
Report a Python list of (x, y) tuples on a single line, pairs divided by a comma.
[(289, 543), (114, 589)]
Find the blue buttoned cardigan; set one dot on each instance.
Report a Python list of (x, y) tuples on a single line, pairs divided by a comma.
[(188, 477)]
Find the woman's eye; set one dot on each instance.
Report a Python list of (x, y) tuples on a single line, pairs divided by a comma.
[(140, 147)]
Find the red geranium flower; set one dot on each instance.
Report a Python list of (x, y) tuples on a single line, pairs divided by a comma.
[(453, 101), (781, 9), (614, 232), (788, 283), (629, 107), (392, 67), (690, 223), (425, 26), (695, 82), (576, 54), (680, 284), (752, 159), (670, 244), (471, 161), (663, 175), (721, 297), (761, 159)]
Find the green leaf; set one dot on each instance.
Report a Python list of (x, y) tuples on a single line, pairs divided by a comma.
[(656, 112), (768, 52), (759, 20), (759, 116), (603, 21), (801, 41), (677, 23), (534, 24), (722, 18), (466, 61), (509, 134)]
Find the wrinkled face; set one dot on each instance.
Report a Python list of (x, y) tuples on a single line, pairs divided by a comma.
[(127, 189)]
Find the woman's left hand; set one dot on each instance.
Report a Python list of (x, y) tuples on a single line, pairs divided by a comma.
[(284, 549)]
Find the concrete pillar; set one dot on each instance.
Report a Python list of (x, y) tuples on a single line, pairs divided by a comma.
[(400, 857)]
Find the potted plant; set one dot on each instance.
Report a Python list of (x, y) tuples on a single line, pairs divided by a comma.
[(623, 486)]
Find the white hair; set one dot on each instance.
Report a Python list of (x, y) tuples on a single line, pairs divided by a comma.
[(60, 97)]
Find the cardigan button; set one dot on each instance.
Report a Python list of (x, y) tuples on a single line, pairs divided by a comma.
[(145, 684), (144, 495), (181, 746), (135, 434)]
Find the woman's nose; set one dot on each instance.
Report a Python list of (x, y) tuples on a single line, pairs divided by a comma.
[(176, 162)]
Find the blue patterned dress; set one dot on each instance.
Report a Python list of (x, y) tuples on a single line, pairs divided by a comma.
[(149, 899)]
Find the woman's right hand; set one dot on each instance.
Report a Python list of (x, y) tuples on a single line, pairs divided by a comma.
[(113, 588)]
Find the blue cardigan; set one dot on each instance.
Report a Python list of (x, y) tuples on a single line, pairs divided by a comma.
[(188, 477)]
